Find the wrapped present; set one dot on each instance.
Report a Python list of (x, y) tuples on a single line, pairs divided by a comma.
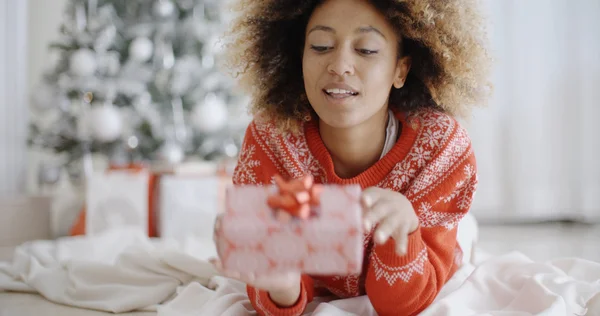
[(117, 199), (292, 226), (80, 226), (190, 192), (189, 203)]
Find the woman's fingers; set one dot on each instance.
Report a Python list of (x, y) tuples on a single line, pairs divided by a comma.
[(387, 227), (401, 238), (376, 214), (374, 207), (370, 196)]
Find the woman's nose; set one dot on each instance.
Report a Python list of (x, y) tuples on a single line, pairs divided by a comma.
[(341, 63)]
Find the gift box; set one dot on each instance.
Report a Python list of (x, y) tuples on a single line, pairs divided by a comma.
[(117, 199), (253, 236), (190, 192), (83, 221), (189, 203)]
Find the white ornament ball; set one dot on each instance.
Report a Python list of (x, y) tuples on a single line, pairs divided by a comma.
[(171, 153), (210, 116), (49, 174), (164, 8), (141, 49), (83, 63), (105, 122)]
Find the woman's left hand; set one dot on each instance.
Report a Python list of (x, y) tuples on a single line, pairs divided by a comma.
[(392, 213)]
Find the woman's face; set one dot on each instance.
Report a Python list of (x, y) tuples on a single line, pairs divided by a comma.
[(350, 62)]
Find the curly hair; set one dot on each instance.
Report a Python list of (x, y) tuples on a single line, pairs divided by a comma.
[(444, 38)]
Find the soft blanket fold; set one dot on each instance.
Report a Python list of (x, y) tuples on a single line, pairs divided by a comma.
[(121, 271), (118, 271)]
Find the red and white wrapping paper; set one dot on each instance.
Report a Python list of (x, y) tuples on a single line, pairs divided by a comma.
[(250, 239)]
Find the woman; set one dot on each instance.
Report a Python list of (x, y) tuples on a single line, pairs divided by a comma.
[(357, 91)]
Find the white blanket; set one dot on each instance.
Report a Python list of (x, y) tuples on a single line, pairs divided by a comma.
[(122, 271)]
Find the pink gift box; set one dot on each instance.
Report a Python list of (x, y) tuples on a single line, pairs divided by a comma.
[(250, 239)]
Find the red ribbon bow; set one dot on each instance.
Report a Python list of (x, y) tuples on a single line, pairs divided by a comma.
[(295, 197)]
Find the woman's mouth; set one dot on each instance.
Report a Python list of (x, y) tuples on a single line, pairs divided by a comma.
[(339, 93)]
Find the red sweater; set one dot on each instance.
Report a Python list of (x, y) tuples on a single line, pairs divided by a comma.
[(432, 164)]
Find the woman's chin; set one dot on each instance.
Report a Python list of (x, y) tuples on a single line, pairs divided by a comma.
[(339, 120)]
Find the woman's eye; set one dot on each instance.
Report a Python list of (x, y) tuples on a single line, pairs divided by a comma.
[(319, 49), (367, 51)]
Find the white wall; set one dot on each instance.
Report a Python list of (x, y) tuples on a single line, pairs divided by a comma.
[(537, 143), (26, 29), (13, 104)]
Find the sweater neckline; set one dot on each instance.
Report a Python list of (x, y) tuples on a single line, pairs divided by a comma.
[(374, 174)]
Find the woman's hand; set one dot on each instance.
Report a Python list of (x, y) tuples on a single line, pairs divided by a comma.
[(392, 213), (284, 289)]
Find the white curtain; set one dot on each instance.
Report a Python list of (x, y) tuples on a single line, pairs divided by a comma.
[(13, 105), (538, 142)]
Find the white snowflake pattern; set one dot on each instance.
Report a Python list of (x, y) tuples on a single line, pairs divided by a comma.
[(429, 218), (419, 168), (421, 156), (268, 137), (468, 193), (432, 137), (455, 152), (351, 287), (465, 189), (392, 273), (400, 176), (432, 118), (288, 152), (303, 156), (447, 199), (267, 130), (469, 171), (244, 171)]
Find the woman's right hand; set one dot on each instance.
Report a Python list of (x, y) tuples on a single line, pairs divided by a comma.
[(284, 289)]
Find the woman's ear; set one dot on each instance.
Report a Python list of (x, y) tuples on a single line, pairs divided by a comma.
[(402, 69)]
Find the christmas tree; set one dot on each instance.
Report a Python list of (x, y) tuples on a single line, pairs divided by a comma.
[(138, 81)]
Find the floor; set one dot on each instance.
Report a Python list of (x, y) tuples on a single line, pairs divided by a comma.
[(542, 242), (539, 242)]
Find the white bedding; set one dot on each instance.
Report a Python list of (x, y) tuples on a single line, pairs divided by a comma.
[(124, 271)]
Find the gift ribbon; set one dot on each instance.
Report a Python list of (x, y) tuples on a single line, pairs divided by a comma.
[(295, 197)]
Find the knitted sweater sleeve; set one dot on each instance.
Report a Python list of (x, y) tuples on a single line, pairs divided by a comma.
[(255, 167), (441, 195)]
